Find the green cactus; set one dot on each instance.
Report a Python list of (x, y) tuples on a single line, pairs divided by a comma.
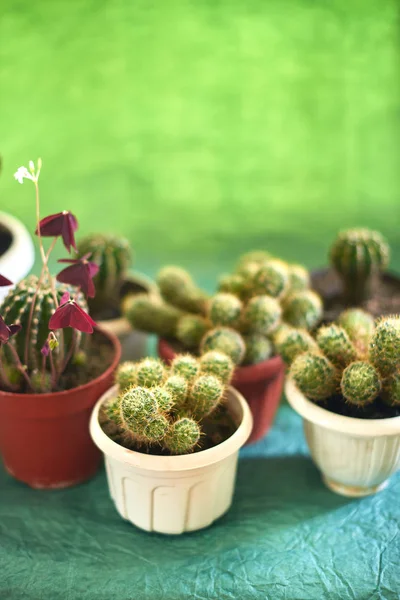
[(113, 255), (299, 278), (217, 364), (16, 308), (224, 309), (358, 255), (303, 309), (359, 325), (384, 348), (178, 288), (182, 436), (126, 375), (258, 349), (314, 375), (290, 343), (205, 395), (391, 390), (148, 313), (225, 340), (254, 257), (234, 284), (262, 315), (186, 366), (271, 278), (155, 429), (150, 372), (164, 398), (360, 383), (190, 330), (41, 382), (336, 345), (137, 405), (178, 387)]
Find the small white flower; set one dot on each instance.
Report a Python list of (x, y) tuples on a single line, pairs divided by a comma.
[(23, 173)]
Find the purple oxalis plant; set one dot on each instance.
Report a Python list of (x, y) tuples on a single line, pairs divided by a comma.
[(68, 308)]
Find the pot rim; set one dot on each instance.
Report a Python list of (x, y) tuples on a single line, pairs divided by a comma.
[(62, 394), (340, 423), (19, 237), (184, 462)]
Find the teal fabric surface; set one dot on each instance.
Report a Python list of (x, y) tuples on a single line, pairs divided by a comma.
[(286, 536)]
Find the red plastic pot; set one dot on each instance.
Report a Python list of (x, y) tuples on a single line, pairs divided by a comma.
[(260, 384), (44, 438)]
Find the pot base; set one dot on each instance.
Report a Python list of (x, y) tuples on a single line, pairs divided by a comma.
[(353, 491), (59, 485)]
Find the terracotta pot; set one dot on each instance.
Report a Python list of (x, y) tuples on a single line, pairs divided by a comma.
[(260, 384), (44, 438)]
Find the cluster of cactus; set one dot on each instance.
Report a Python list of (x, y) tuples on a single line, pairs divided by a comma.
[(17, 307), (165, 406), (241, 319), (359, 256), (355, 358), (113, 255)]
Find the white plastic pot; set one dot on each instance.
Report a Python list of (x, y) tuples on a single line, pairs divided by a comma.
[(133, 342), (173, 494), (17, 260), (356, 456)]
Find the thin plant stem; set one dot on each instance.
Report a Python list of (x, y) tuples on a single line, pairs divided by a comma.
[(42, 252), (70, 353), (20, 366), (53, 373)]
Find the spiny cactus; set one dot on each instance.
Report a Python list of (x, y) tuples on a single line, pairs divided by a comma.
[(291, 342), (148, 313), (178, 288), (258, 349), (254, 257), (358, 255), (190, 330), (113, 255), (360, 383), (271, 278), (17, 308), (224, 309), (234, 284), (359, 325), (299, 278), (391, 390), (303, 309), (314, 375), (336, 345), (385, 345), (262, 314), (225, 340), (166, 409)]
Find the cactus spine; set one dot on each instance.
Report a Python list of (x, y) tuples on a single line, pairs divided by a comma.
[(314, 375), (360, 383), (227, 341)]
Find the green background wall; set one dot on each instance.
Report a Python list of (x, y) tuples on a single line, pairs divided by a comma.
[(200, 129)]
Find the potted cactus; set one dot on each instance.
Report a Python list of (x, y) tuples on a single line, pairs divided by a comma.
[(171, 436), (241, 319), (345, 383), (358, 275), (52, 371), (114, 283)]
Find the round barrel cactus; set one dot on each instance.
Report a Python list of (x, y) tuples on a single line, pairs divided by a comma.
[(303, 309), (225, 340), (314, 375), (360, 383), (178, 288)]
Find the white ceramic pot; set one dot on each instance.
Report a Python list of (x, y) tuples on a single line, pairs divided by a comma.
[(133, 342), (17, 260), (173, 494), (356, 456)]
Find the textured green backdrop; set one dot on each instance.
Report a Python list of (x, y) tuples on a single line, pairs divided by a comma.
[(202, 128)]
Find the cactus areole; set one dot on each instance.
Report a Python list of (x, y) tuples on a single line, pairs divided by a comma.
[(51, 370)]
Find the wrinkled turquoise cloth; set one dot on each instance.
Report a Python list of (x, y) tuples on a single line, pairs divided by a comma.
[(285, 537)]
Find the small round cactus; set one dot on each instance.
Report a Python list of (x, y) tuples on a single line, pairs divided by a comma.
[(224, 309), (137, 406), (205, 395), (391, 390), (190, 330), (156, 428), (360, 383), (385, 346), (147, 313), (178, 288), (303, 309), (150, 372), (217, 364), (290, 343), (336, 345), (164, 398), (271, 279), (254, 257), (299, 278), (225, 340), (358, 255), (186, 366), (126, 375), (177, 386), (258, 349), (314, 375), (359, 325), (234, 284), (113, 411), (183, 436), (262, 315), (113, 255)]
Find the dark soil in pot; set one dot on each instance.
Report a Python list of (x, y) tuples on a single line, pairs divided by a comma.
[(5, 239), (216, 429), (377, 410), (385, 299)]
